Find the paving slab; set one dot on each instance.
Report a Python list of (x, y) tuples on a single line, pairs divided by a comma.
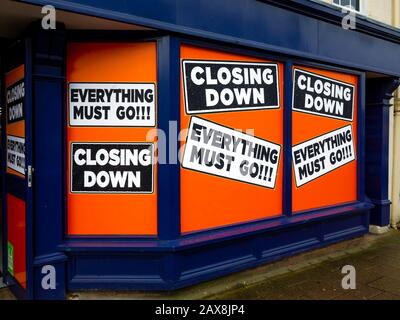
[(377, 275), (314, 275), (387, 284), (5, 294)]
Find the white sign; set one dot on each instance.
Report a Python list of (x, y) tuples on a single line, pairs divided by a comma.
[(16, 153), (112, 167), (323, 154), (112, 104), (322, 96), (220, 86), (221, 151)]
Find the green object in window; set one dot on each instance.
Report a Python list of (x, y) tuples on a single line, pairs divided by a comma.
[(10, 257)]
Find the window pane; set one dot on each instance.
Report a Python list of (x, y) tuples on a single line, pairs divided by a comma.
[(356, 4), (345, 3)]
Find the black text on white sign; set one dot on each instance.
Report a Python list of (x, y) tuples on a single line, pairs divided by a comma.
[(16, 153), (112, 104), (323, 154), (322, 96), (218, 86), (112, 167), (221, 151), (15, 95)]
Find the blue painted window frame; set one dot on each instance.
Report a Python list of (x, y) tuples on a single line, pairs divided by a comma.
[(168, 76)]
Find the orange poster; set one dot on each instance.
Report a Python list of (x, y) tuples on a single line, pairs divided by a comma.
[(232, 114), (16, 213), (111, 107), (15, 122), (324, 137)]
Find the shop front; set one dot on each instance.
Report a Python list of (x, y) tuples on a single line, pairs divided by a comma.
[(208, 139)]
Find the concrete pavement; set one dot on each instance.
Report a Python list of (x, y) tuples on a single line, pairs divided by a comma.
[(314, 275), (377, 276)]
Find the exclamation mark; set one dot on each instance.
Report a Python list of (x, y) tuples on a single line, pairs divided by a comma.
[(137, 113), (148, 113), (143, 112), (270, 174), (350, 153), (345, 152), (261, 170), (266, 173)]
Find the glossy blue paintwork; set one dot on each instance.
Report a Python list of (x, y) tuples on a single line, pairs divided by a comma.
[(378, 95), (300, 28), (287, 143), (49, 160), (168, 121), (361, 142), (174, 264)]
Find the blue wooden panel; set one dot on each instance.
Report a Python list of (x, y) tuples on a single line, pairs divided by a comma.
[(287, 139), (378, 95), (116, 271), (143, 271), (168, 57), (48, 159), (303, 28), (48, 165), (338, 44), (87, 265)]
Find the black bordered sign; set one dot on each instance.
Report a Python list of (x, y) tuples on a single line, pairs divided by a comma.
[(15, 95), (112, 104), (221, 86), (322, 96), (112, 167), (221, 151), (16, 153), (322, 154)]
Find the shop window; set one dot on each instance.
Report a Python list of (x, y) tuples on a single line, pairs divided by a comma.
[(232, 109), (324, 138), (112, 173)]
